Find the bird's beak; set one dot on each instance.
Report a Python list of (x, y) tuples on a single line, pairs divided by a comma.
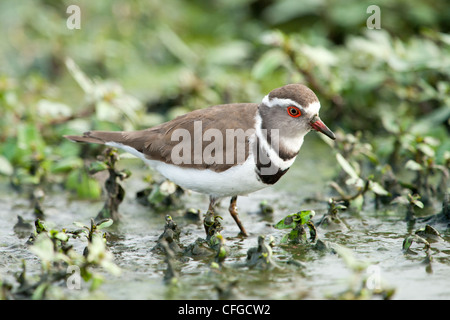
[(318, 125)]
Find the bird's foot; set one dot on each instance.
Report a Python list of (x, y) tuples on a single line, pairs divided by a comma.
[(233, 211)]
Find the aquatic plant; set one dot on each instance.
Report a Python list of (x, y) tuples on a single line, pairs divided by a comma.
[(365, 281), (61, 264), (170, 236), (115, 193), (331, 219), (261, 257), (301, 224), (161, 196)]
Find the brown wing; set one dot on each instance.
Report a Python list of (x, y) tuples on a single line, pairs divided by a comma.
[(187, 133)]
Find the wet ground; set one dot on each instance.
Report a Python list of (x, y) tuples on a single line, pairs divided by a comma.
[(372, 237)]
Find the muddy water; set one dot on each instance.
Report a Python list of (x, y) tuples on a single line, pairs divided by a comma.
[(373, 237)]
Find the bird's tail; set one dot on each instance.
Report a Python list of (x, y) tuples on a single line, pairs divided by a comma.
[(99, 137)]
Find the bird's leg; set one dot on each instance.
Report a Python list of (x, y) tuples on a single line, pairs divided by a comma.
[(234, 214), (211, 222)]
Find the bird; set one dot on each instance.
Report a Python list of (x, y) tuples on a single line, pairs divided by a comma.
[(225, 150)]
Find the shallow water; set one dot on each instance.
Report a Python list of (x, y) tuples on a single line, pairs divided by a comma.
[(374, 237)]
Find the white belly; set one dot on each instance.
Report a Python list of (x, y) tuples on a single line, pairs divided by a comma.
[(238, 180)]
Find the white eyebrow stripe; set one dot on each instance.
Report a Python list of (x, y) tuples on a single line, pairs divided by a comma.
[(314, 108), (280, 102)]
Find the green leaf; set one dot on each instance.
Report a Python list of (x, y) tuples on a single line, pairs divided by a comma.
[(400, 200), (97, 250), (52, 109), (43, 247), (378, 189), (85, 186), (105, 224), (428, 232), (40, 226), (358, 182), (222, 252), (285, 238), (418, 204), (175, 45), (39, 292), (298, 236), (159, 193), (66, 164), (268, 62), (348, 168), (97, 166), (407, 242), (155, 197), (229, 53), (97, 280), (358, 202), (389, 121), (111, 267), (291, 221), (124, 174), (426, 149), (293, 235), (5, 166), (55, 234), (287, 222), (306, 215), (79, 224), (80, 77), (29, 138), (349, 258), (414, 199)]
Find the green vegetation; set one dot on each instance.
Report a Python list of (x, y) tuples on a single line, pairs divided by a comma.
[(59, 261), (300, 223), (133, 64)]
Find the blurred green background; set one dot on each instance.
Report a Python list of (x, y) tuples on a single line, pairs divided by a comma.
[(134, 64)]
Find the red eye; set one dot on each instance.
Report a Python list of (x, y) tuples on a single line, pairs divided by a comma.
[(294, 111)]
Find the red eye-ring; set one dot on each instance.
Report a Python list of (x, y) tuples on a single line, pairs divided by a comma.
[(294, 111)]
